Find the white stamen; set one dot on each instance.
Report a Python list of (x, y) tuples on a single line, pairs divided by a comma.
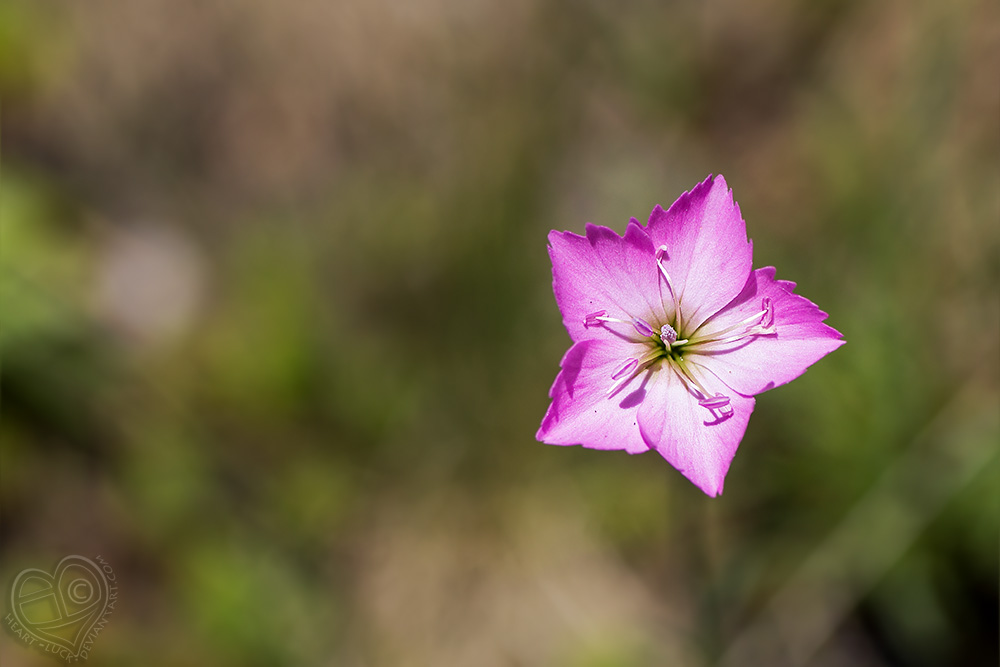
[(642, 327), (712, 402), (759, 324), (661, 252)]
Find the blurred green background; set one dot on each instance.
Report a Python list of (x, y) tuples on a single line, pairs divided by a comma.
[(278, 330)]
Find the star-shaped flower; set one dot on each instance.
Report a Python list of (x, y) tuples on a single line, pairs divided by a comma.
[(673, 335)]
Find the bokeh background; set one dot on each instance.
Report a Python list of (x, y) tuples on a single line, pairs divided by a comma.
[(277, 328)]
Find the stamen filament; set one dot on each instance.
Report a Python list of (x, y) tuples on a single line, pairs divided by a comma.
[(642, 327), (660, 252), (764, 321), (753, 331), (743, 324), (686, 374)]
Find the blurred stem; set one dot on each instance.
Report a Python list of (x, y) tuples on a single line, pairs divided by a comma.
[(708, 555)]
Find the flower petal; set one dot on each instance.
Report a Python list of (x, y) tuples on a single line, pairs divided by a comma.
[(762, 362), (700, 444), (604, 271), (582, 412), (708, 255)]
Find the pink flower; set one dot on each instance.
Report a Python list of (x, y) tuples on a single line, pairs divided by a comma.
[(673, 335)]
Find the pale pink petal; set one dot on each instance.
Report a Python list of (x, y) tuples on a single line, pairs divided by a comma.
[(762, 362), (604, 272), (582, 412), (708, 256), (696, 441)]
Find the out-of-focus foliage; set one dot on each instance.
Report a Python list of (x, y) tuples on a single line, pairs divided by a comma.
[(277, 328)]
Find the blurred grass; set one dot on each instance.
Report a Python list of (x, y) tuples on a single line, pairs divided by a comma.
[(278, 328)]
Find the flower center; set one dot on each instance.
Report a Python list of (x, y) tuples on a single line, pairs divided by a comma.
[(669, 347)]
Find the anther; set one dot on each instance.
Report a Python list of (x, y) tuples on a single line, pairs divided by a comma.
[(593, 319), (718, 405), (767, 318), (661, 254), (642, 327), (717, 402), (626, 368)]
